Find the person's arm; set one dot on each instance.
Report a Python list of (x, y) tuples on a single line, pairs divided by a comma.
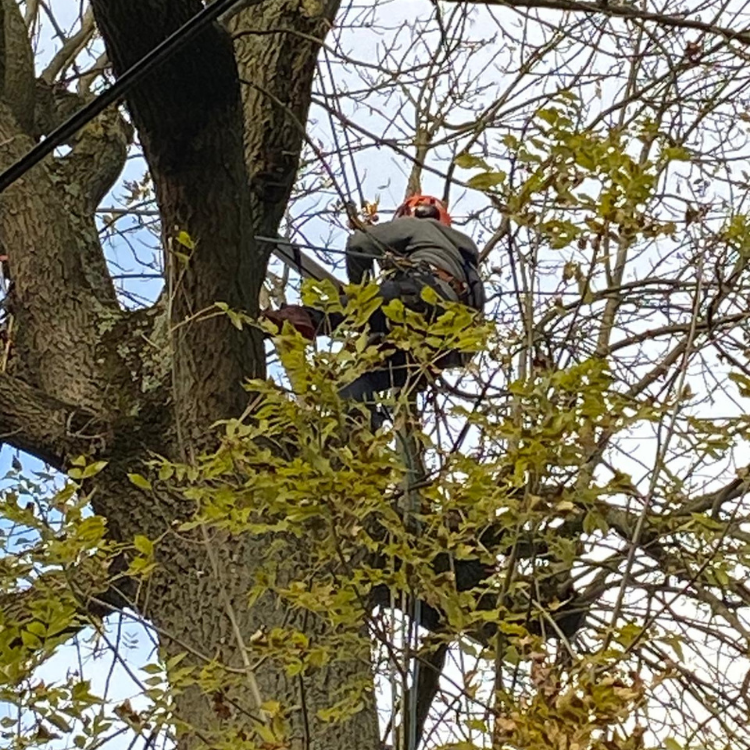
[(360, 252), (364, 246)]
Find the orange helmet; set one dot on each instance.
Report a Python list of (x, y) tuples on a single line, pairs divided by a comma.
[(424, 207)]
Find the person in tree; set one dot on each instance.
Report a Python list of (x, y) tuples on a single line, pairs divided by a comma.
[(418, 249)]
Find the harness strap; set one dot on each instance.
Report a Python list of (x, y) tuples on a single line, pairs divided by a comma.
[(461, 288)]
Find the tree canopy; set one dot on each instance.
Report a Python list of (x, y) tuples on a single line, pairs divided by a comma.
[(547, 548)]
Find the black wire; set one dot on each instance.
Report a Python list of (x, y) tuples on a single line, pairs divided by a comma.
[(114, 93)]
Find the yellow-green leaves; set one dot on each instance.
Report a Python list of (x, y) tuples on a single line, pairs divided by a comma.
[(484, 180), (82, 470), (569, 179), (140, 482), (184, 239)]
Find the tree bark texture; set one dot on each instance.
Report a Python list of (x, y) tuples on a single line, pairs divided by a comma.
[(87, 377), (189, 116)]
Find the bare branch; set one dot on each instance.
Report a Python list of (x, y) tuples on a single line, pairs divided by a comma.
[(97, 156), (618, 10), (431, 660), (69, 51), (713, 501)]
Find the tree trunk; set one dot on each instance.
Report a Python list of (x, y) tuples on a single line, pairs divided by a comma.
[(202, 602), (88, 377)]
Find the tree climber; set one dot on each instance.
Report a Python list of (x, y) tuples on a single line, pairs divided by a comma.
[(418, 249)]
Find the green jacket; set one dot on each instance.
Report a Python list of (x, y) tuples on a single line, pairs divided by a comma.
[(425, 240)]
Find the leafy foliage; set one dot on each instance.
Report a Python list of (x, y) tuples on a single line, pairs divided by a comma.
[(565, 516)]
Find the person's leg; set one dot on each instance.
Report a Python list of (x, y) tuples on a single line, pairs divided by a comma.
[(393, 374)]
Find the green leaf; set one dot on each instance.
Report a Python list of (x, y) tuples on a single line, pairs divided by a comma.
[(59, 722), (93, 469), (510, 141), (235, 319), (140, 481), (185, 240), (549, 115), (144, 545), (742, 382), (468, 161), (429, 295), (395, 310), (166, 471), (487, 180), (676, 153)]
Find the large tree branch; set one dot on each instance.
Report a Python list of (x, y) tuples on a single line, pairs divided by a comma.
[(96, 158), (282, 66), (188, 113), (56, 308), (45, 427), (714, 501), (16, 65), (97, 152)]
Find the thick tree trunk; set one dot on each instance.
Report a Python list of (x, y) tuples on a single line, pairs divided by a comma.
[(87, 377), (190, 120), (202, 603), (192, 126)]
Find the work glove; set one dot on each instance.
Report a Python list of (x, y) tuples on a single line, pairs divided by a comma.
[(297, 316)]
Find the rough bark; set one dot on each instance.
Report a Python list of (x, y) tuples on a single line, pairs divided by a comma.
[(45, 427), (89, 378), (191, 124), (276, 55), (57, 311), (16, 65), (200, 594), (97, 155), (190, 121)]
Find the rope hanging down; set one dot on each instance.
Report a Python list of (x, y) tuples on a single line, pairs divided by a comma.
[(60, 135)]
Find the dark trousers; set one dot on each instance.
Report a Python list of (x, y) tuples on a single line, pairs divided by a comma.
[(396, 370)]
